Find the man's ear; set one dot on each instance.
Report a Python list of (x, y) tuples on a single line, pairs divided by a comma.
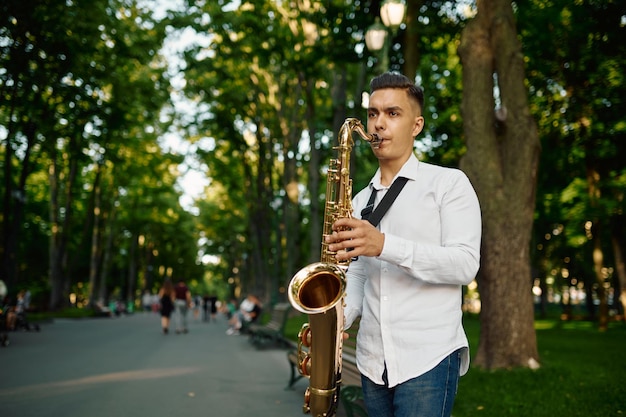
[(418, 125)]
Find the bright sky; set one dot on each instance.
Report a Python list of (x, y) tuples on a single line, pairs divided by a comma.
[(193, 180)]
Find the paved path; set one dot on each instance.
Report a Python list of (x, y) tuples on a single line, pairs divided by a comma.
[(124, 367)]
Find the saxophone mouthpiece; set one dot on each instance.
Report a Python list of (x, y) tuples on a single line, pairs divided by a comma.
[(376, 140)]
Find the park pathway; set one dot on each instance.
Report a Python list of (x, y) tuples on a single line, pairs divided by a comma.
[(124, 367)]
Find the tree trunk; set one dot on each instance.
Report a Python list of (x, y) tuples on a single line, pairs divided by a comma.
[(60, 225), (313, 185), (598, 266), (260, 193), (593, 189), (291, 133), (107, 256), (410, 42), (131, 278), (55, 275), (501, 160), (9, 238), (14, 199), (95, 240), (620, 270)]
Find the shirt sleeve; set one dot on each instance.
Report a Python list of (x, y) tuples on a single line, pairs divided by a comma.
[(354, 292), (356, 274), (454, 257)]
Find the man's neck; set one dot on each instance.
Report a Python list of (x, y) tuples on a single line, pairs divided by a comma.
[(389, 169)]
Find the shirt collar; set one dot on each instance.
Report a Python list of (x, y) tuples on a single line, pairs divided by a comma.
[(408, 170)]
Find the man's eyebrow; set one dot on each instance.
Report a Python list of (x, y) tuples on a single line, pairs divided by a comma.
[(386, 109)]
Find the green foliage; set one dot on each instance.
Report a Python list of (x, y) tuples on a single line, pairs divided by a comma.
[(440, 74), (575, 59)]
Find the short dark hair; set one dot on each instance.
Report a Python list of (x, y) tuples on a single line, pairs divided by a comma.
[(396, 80)]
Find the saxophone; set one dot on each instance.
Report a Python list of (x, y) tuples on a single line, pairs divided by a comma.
[(319, 288)]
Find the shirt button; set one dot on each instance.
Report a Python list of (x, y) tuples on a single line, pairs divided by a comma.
[(385, 298)]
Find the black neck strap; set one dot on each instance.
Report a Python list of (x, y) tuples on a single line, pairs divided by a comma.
[(374, 216)]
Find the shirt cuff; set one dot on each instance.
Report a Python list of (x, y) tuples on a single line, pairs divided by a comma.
[(395, 251), (350, 316)]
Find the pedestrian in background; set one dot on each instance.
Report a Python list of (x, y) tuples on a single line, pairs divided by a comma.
[(182, 303), (213, 307), (146, 301), (249, 311), (206, 304), (196, 305), (166, 301)]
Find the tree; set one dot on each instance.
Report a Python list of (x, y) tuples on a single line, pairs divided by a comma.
[(81, 78), (267, 101), (501, 160)]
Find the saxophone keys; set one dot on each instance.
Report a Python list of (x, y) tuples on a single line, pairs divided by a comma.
[(305, 366), (305, 335), (306, 409)]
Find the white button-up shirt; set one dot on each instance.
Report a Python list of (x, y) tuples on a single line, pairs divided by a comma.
[(409, 297)]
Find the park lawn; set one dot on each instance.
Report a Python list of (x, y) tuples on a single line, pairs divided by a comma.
[(581, 375)]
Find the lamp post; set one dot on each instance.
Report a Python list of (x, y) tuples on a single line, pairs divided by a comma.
[(377, 36), (376, 40)]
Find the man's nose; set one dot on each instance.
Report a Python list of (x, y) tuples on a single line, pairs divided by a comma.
[(375, 124)]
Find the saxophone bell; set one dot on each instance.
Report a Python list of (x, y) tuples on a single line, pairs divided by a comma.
[(318, 290)]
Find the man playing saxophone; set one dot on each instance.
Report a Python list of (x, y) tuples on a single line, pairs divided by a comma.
[(405, 282)]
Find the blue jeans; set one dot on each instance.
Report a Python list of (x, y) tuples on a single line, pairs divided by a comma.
[(428, 395)]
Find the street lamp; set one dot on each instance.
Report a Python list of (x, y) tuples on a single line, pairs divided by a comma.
[(377, 36), (392, 13)]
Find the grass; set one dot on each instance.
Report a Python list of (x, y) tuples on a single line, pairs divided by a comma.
[(582, 374)]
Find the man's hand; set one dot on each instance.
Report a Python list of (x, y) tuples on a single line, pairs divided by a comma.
[(359, 236)]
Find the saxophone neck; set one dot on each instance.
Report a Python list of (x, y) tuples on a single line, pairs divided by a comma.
[(354, 125)]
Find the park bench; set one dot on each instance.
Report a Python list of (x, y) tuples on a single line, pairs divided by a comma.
[(272, 332), (350, 393)]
